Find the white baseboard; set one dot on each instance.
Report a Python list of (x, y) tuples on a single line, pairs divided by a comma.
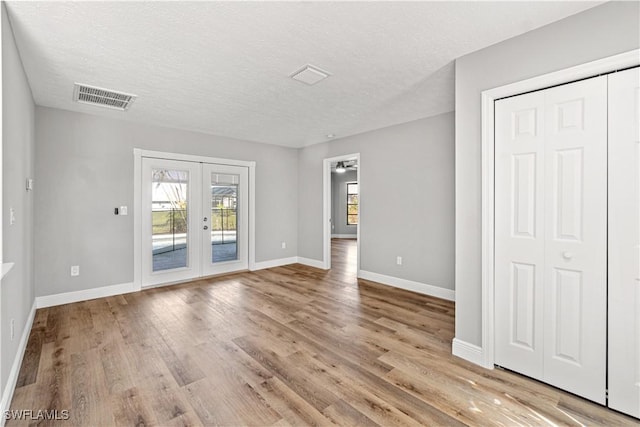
[(7, 393), (410, 285), (468, 351), (344, 236), (311, 262), (274, 263), (85, 295), (125, 288)]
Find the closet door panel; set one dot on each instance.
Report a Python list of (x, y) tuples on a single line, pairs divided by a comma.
[(551, 236), (519, 233), (575, 257), (624, 241)]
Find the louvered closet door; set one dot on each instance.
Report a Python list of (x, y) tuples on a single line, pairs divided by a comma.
[(624, 241), (550, 241), (519, 232)]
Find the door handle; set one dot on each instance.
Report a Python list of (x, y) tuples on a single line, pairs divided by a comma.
[(205, 227), (567, 255)]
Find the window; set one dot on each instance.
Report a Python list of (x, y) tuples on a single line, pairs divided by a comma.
[(352, 203)]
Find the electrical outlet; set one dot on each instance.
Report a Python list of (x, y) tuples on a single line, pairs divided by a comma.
[(284, 245), (399, 260), (13, 328), (12, 216), (75, 270)]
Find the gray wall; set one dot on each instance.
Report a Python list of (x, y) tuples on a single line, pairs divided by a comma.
[(17, 294), (596, 33), (406, 203), (339, 202), (84, 168)]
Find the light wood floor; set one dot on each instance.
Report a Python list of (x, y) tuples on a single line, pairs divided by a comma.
[(285, 346)]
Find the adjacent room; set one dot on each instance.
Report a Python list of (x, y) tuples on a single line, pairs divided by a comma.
[(343, 218), (320, 213)]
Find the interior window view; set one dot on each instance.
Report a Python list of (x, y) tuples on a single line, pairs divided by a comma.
[(320, 213)]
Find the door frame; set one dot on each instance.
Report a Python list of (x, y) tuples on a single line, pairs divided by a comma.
[(138, 154), (326, 208), (485, 354)]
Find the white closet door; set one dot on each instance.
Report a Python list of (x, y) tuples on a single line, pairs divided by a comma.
[(550, 235), (624, 241), (575, 273), (519, 232)]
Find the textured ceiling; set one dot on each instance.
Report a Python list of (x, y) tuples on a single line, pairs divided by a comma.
[(223, 67)]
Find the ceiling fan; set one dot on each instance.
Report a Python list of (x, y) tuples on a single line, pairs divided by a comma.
[(344, 165)]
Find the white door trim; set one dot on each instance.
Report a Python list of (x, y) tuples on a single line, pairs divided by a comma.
[(326, 208), (138, 154), (589, 69), (4, 269)]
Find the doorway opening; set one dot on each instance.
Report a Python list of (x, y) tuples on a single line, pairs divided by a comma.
[(342, 212)]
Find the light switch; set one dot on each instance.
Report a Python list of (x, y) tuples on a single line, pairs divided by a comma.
[(123, 210)]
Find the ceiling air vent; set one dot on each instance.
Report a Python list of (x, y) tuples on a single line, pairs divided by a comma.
[(102, 97), (310, 75)]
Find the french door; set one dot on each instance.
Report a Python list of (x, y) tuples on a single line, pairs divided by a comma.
[(224, 219), (551, 235), (194, 220)]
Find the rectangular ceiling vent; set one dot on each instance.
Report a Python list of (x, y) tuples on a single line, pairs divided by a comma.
[(92, 95), (310, 75)]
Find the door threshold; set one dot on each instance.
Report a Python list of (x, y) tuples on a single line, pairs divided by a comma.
[(195, 279)]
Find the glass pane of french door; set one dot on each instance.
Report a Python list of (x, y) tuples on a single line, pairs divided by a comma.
[(224, 217), (169, 218)]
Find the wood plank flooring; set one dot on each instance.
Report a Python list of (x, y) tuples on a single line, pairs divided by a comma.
[(285, 346)]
